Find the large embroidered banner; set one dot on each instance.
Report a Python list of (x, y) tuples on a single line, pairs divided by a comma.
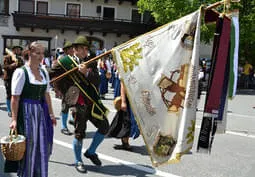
[(159, 70)]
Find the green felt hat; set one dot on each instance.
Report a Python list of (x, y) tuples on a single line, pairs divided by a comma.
[(81, 40), (67, 44)]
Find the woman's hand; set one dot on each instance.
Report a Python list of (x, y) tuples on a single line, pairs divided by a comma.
[(53, 119), (13, 124), (123, 106)]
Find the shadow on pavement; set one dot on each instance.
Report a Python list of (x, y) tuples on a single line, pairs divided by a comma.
[(135, 149), (245, 92), (61, 163), (119, 170), (4, 108), (58, 118), (91, 135)]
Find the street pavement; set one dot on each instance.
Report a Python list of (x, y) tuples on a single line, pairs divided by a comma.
[(232, 153)]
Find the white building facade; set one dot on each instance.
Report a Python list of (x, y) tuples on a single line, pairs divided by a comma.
[(105, 23)]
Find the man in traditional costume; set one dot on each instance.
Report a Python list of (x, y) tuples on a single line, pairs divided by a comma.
[(80, 90), (10, 65)]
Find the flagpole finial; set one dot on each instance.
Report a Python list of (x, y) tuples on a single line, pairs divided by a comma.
[(226, 6)]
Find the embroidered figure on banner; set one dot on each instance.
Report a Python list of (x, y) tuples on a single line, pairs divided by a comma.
[(164, 145), (150, 131), (191, 131), (132, 80), (188, 37), (172, 85), (146, 99), (149, 43)]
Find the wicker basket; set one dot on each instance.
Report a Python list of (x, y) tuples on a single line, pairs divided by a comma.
[(13, 146)]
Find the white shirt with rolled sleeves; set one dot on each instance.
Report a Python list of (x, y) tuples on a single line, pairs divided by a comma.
[(18, 80)]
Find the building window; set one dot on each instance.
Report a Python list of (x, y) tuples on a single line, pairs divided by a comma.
[(147, 17), (4, 7), (26, 6), (42, 8), (108, 13), (136, 17), (73, 10), (24, 41)]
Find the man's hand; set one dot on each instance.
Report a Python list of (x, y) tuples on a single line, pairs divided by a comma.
[(14, 65), (83, 68)]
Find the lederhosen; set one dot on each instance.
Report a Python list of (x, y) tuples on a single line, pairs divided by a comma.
[(88, 105), (35, 124)]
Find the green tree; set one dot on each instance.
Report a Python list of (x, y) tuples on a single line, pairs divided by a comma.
[(247, 30), (165, 11)]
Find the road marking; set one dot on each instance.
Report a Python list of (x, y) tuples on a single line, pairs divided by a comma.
[(240, 134), (122, 162), (241, 115), (232, 114), (233, 133)]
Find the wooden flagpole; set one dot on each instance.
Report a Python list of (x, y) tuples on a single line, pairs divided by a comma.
[(109, 51), (226, 4), (216, 4), (76, 68)]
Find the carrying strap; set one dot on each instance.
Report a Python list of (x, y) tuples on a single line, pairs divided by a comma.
[(98, 111)]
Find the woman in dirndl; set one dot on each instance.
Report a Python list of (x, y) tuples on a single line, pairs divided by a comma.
[(103, 71), (124, 124), (32, 114)]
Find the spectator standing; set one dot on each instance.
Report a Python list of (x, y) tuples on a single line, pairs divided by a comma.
[(247, 69), (68, 50), (10, 65)]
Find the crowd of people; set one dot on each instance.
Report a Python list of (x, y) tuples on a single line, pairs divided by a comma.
[(27, 76), (246, 78)]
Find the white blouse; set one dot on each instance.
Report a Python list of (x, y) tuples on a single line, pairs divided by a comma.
[(18, 79)]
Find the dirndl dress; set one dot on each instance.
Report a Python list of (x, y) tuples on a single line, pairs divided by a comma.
[(35, 124), (124, 123), (103, 87)]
